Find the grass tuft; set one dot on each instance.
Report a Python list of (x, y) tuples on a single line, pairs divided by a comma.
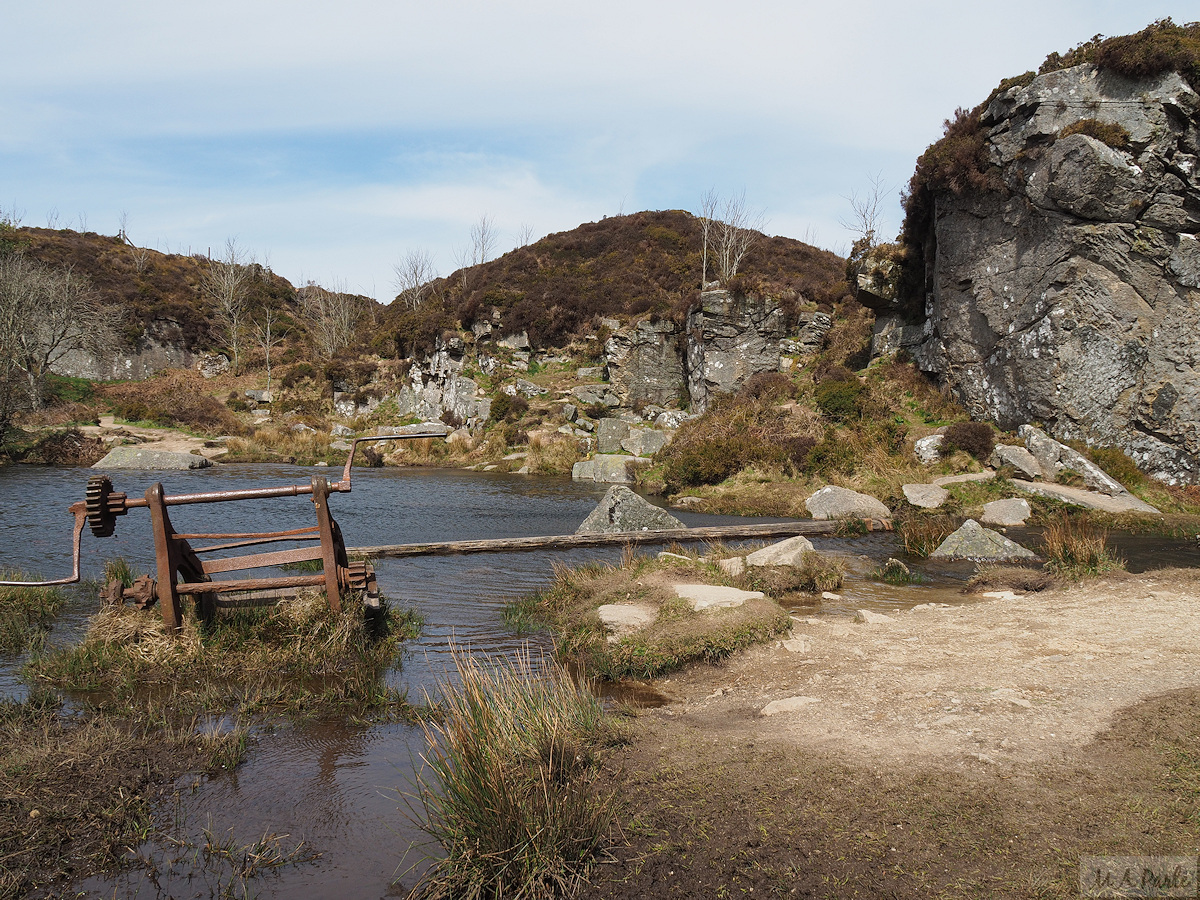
[(510, 792), (1077, 549), (26, 612), (295, 657)]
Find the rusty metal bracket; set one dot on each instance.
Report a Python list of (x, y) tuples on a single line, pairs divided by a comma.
[(179, 567)]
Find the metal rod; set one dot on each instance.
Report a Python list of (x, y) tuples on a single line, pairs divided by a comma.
[(248, 584), (281, 535), (343, 486), (80, 511), (273, 540), (258, 560)]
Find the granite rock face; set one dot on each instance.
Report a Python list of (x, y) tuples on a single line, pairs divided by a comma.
[(1072, 297), (645, 365)]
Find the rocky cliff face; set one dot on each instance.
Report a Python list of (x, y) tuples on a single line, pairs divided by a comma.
[(1071, 297), (161, 346)]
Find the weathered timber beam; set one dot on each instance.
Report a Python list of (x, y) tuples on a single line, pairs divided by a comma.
[(567, 541)]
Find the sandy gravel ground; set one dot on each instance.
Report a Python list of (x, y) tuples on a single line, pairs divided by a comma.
[(989, 683), (155, 438)]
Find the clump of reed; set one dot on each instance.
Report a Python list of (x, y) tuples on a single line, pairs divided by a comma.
[(1077, 549), (26, 612), (511, 790), (296, 657), (921, 533)]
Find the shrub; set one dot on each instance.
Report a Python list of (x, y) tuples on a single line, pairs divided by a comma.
[(733, 434), (67, 448), (506, 408), (1160, 47), (976, 438), (840, 400), (815, 574), (771, 387), (1106, 132)]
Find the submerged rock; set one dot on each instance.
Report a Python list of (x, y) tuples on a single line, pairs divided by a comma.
[(973, 541), (623, 510), (136, 458)]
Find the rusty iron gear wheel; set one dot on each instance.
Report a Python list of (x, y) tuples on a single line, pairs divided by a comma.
[(100, 517)]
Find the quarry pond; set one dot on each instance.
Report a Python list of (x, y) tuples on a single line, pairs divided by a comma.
[(333, 785)]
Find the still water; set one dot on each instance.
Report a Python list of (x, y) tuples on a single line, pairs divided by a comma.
[(337, 787)]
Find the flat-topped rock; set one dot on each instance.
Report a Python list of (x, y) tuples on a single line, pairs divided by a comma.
[(159, 460), (784, 553), (623, 510), (833, 502), (973, 541), (867, 617), (620, 619), (714, 596), (1005, 513), (1088, 499), (926, 496), (962, 479)]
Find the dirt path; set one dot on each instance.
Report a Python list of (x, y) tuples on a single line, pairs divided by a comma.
[(979, 750), (155, 438)]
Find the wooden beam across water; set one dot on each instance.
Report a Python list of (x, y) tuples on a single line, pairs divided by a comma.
[(568, 541)]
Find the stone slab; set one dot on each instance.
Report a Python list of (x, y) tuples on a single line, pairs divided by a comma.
[(158, 460), (714, 596), (787, 705), (1088, 499), (620, 619), (926, 496), (784, 553), (1006, 513), (832, 502)]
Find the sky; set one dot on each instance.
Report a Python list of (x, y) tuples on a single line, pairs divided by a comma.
[(331, 140)]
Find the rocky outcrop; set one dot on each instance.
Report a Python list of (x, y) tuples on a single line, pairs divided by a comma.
[(161, 346), (437, 388), (727, 338), (1071, 296)]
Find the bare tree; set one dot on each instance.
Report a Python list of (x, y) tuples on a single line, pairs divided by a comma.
[(45, 313), (268, 334), (332, 315), (736, 231), (866, 212), (525, 235), (708, 210), (478, 251), (11, 217), (226, 281), (52, 218), (413, 276)]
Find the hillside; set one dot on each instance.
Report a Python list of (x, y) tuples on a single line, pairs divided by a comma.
[(647, 263)]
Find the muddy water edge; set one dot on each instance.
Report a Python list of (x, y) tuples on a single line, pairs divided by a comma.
[(333, 787)]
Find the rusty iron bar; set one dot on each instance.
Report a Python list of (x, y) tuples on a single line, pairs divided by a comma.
[(281, 535), (79, 509), (270, 540), (248, 584)]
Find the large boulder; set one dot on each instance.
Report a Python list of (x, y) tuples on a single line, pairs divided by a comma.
[(973, 541), (623, 510), (1061, 284), (784, 553), (833, 502), (164, 460)]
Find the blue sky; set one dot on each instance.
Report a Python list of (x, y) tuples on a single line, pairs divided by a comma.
[(331, 139)]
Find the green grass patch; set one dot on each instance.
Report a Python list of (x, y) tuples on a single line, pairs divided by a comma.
[(26, 612), (510, 793), (295, 658), (679, 635)]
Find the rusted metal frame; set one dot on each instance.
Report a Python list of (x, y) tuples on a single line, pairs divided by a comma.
[(166, 557), (259, 560), (281, 535), (343, 486), (320, 498), (249, 584), (79, 509), (274, 540)]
